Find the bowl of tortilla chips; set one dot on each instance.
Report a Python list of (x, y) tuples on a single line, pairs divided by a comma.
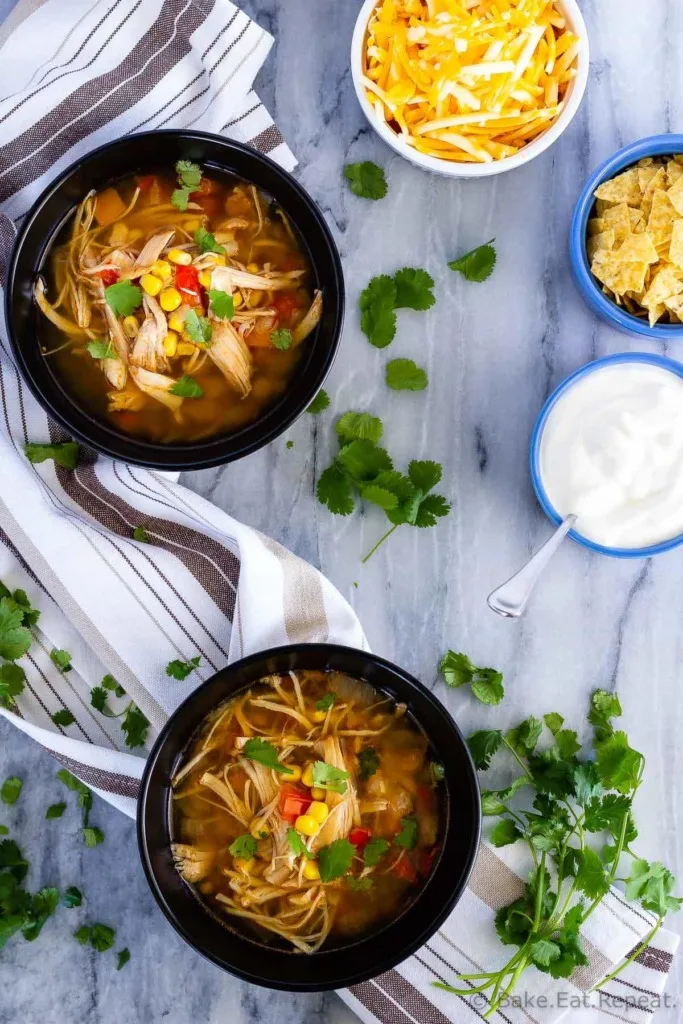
[(626, 239)]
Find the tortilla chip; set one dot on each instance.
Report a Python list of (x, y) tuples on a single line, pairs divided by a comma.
[(601, 205), (596, 225), (636, 218), (645, 175), (662, 216), (605, 240), (619, 277), (638, 249), (676, 247), (675, 195), (622, 189), (658, 181), (675, 305), (645, 161), (664, 285), (673, 172), (617, 217)]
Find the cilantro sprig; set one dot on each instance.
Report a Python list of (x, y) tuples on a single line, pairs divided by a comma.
[(477, 264), (577, 821), (65, 454), (319, 403), (263, 752), (362, 467), (409, 288), (189, 181), (366, 180), (134, 724), (486, 684)]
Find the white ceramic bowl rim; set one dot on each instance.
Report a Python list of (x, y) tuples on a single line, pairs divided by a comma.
[(467, 170)]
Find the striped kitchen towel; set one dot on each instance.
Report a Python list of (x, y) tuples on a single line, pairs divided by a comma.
[(76, 74)]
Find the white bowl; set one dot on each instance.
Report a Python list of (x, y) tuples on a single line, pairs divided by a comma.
[(573, 98)]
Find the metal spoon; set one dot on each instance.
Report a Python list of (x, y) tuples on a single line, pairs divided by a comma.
[(510, 599)]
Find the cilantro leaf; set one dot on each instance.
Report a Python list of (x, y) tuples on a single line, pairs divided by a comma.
[(591, 877), (377, 495), (326, 776), (431, 508), (651, 885), (543, 952), (488, 687), (373, 851), (335, 860), (186, 387), (604, 707), (524, 737), (11, 788), (62, 659), (457, 669), (281, 338), (368, 761), (109, 683), (15, 639), (620, 766), (55, 810), (101, 349), (31, 614), (76, 786), (477, 264), (505, 833), (554, 722), (180, 197), (178, 669), (198, 328), (99, 700), (363, 884), (483, 744), (123, 298), (207, 242), (63, 717), (486, 684), (82, 934), (43, 905), (72, 897), (244, 846), (65, 454), (189, 173), (257, 749), (363, 460), (425, 475), (405, 375), (326, 702), (407, 837), (413, 289), (297, 845), (92, 837), (12, 680), (122, 958), (358, 426), (366, 180), (134, 726), (102, 937), (607, 815), (140, 534), (222, 304), (334, 490), (319, 403), (378, 319), (438, 771)]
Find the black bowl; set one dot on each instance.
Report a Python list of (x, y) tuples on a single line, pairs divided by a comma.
[(381, 949), (139, 153)]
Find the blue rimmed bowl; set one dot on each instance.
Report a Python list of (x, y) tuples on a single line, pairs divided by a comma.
[(537, 437), (589, 286)]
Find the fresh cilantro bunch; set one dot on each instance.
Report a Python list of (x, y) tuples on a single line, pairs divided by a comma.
[(410, 288), (569, 798), (362, 467)]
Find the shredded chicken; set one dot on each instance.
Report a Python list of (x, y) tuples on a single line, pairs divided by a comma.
[(231, 356), (157, 386)]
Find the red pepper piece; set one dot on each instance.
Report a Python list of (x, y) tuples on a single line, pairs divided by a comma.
[(108, 277), (359, 836), (294, 801)]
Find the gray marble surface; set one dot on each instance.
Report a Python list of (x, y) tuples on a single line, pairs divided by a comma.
[(493, 352)]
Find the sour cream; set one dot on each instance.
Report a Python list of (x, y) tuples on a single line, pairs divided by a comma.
[(611, 452)]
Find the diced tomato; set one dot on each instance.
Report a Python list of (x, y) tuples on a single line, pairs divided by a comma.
[(108, 277), (145, 183), (404, 870), (207, 187), (294, 801), (187, 283), (285, 306), (359, 836), (424, 860)]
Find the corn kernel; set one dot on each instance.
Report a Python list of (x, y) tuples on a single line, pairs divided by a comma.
[(294, 773), (176, 323), (179, 256), (319, 716), (193, 225), (161, 269), (307, 825), (259, 829), (131, 326), (150, 284), (253, 268), (171, 344), (205, 278), (219, 259), (318, 811), (255, 299), (237, 299), (185, 348), (317, 793), (118, 234), (307, 775), (245, 864), (170, 299), (311, 871)]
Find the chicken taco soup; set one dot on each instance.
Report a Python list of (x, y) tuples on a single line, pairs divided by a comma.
[(177, 304), (307, 810)]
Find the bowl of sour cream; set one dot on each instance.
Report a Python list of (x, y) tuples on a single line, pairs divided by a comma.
[(608, 447)]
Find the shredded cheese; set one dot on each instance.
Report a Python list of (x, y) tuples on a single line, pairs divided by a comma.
[(498, 70)]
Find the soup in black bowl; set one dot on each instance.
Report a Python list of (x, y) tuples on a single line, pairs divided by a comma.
[(309, 817)]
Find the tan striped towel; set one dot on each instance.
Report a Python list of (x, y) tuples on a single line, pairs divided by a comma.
[(79, 74)]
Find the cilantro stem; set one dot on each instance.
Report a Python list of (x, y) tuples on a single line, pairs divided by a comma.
[(379, 542), (615, 866), (518, 758), (636, 952), (521, 967)]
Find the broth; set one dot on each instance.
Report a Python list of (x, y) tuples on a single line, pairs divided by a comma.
[(307, 807), (205, 324)]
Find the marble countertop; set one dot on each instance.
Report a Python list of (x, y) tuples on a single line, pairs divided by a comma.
[(493, 352)]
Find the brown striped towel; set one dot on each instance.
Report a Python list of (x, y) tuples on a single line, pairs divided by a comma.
[(76, 74)]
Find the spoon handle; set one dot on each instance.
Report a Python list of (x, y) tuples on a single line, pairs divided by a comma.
[(510, 599)]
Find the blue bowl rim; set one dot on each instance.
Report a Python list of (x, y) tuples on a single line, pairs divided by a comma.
[(653, 145), (535, 447)]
